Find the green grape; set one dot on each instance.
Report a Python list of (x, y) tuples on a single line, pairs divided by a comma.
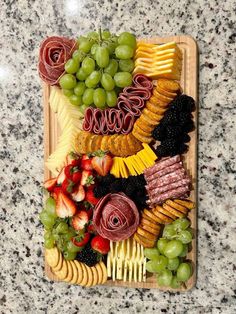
[(93, 79), (184, 251), (88, 65), (55, 235), (175, 283), (88, 96), (86, 45), (94, 35), (49, 243), (73, 248), (81, 75), (75, 100), (50, 206), (126, 38), (181, 224), (150, 266), (111, 48), (80, 39), (106, 34), (68, 92), (69, 256), (151, 253), (79, 89), (173, 263), (161, 244), (185, 237), (67, 81), (71, 66), (169, 232), (123, 79), (158, 264), (173, 248), (94, 49), (62, 227), (83, 108), (165, 278), (47, 234), (107, 82), (112, 67), (78, 55), (124, 52), (184, 272), (126, 65), (99, 98), (111, 98), (102, 57), (71, 233), (47, 220)]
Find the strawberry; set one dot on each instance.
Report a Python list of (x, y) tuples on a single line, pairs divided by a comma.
[(68, 186), (61, 177), (79, 194), (102, 163), (91, 228), (73, 159), (65, 207), (56, 191), (90, 212), (81, 240), (50, 184), (86, 163), (76, 176), (68, 171), (100, 244), (87, 178), (79, 221), (91, 198)]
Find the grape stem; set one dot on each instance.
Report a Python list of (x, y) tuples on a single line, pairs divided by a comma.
[(100, 36)]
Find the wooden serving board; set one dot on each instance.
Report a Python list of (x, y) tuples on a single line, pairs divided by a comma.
[(189, 83)]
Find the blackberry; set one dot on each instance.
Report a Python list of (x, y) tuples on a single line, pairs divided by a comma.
[(170, 117), (185, 138), (124, 183), (173, 131), (170, 145), (188, 127), (183, 103), (130, 189), (100, 190), (88, 256), (161, 151), (184, 117), (159, 132), (116, 186), (108, 179)]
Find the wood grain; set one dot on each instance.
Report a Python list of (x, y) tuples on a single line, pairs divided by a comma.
[(189, 83)]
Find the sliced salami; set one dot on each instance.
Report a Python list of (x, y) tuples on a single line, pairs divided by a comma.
[(159, 190), (164, 171), (174, 193), (162, 164)]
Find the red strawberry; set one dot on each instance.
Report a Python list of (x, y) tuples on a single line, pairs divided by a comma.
[(65, 207), (90, 212), (81, 240), (79, 194), (86, 163), (56, 191), (87, 178), (91, 198), (76, 176), (61, 177), (50, 184), (68, 186), (73, 159), (100, 244), (68, 171), (91, 228), (102, 163), (79, 221)]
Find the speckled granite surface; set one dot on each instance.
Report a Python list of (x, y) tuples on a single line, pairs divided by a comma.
[(24, 289)]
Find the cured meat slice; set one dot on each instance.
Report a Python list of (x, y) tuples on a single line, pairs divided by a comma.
[(141, 80), (116, 217), (164, 171), (159, 190), (174, 193), (167, 179), (162, 164)]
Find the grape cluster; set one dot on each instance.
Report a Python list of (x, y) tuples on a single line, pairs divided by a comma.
[(168, 258), (133, 187), (173, 129), (99, 69)]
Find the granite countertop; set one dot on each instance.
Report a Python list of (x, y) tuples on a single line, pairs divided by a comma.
[(24, 288)]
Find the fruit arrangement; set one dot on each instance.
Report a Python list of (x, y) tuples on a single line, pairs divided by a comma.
[(118, 196)]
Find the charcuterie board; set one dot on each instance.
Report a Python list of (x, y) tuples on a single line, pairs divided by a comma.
[(189, 84)]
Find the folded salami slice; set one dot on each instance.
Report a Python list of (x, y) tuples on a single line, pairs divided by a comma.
[(170, 178), (162, 164), (164, 171), (174, 193), (141, 80), (159, 190)]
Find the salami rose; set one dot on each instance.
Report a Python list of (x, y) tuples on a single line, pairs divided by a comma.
[(116, 217), (53, 54)]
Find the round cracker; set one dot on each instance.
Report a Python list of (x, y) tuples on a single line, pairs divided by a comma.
[(165, 92), (134, 144), (177, 206), (125, 148), (150, 229), (186, 203), (164, 218), (75, 273), (168, 85), (98, 143), (151, 216), (91, 139), (104, 272), (82, 141), (155, 109), (165, 212), (143, 241), (70, 272), (90, 276), (85, 275), (141, 131), (59, 265), (157, 102), (104, 142), (62, 273), (145, 127), (141, 138), (80, 271), (150, 224), (111, 146), (52, 256), (117, 146), (99, 272), (173, 211), (145, 234), (153, 116), (95, 276), (162, 97), (145, 120)]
